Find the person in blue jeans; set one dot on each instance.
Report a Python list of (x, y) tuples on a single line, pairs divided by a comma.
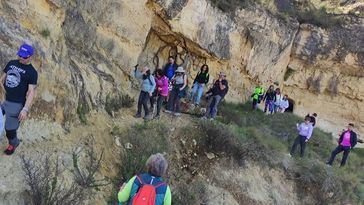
[(215, 95), (202, 78), (347, 141)]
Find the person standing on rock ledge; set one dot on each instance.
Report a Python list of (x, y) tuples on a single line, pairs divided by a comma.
[(20, 81)]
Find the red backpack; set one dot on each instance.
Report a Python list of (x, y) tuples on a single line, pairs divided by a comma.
[(147, 193)]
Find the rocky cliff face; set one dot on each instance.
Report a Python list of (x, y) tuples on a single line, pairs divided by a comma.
[(86, 50)]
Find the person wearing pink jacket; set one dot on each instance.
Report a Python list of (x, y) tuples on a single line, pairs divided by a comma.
[(162, 90)]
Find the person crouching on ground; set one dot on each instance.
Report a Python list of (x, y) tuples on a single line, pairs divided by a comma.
[(304, 134), (20, 81), (201, 80), (162, 90), (284, 104), (148, 186), (179, 83), (347, 142), (215, 95), (257, 96), (148, 86)]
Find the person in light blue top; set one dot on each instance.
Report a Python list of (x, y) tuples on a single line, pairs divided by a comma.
[(304, 134), (147, 88)]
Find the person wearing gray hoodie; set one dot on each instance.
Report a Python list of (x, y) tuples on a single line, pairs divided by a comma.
[(147, 88)]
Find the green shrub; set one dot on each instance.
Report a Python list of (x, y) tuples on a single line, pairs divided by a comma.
[(45, 32), (82, 110), (289, 72), (193, 193), (114, 103)]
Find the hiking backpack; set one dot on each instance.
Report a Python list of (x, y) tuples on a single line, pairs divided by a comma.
[(147, 193)]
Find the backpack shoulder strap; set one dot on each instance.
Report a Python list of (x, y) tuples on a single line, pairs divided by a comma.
[(140, 180), (160, 184), (150, 80)]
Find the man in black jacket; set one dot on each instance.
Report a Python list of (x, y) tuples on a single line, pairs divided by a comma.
[(347, 141)]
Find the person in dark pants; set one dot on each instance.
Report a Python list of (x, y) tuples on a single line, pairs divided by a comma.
[(162, 90), (269, 98), (215, 95), (304, 134), (20, 81), (179, 82), (148, 86), (347, 141), (257, 96)]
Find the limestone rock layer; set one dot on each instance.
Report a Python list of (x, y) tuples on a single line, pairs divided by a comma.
[(87, 49)]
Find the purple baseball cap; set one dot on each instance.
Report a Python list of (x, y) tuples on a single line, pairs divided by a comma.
[(25, 50)]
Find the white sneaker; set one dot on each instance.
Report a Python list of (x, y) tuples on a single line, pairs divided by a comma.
[(177, 114), (168, 111)]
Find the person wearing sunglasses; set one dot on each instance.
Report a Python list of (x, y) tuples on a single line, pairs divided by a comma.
[(19, 78)]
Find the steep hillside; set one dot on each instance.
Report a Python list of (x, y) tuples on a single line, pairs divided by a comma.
[(86, 50)]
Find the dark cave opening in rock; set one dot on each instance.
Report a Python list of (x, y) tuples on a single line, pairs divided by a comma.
[(291, 105)]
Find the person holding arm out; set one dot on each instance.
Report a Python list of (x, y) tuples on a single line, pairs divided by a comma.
[(148, 86), (304, 134), (347, 141)]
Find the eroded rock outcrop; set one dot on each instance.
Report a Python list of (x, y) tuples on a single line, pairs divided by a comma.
[(86, 50)]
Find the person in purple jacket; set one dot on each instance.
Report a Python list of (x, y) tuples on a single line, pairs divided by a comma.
[(304, 134), (162, 90), (347, 141)]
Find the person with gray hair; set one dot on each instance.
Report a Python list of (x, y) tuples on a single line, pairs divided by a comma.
[(149, 185)]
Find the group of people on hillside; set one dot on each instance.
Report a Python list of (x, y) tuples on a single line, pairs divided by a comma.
[(347, 140), (18, 88), (273, 100), (170, 85)]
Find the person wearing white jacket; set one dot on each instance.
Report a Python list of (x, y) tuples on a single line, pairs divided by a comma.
[(284, 104), (278, 100)]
